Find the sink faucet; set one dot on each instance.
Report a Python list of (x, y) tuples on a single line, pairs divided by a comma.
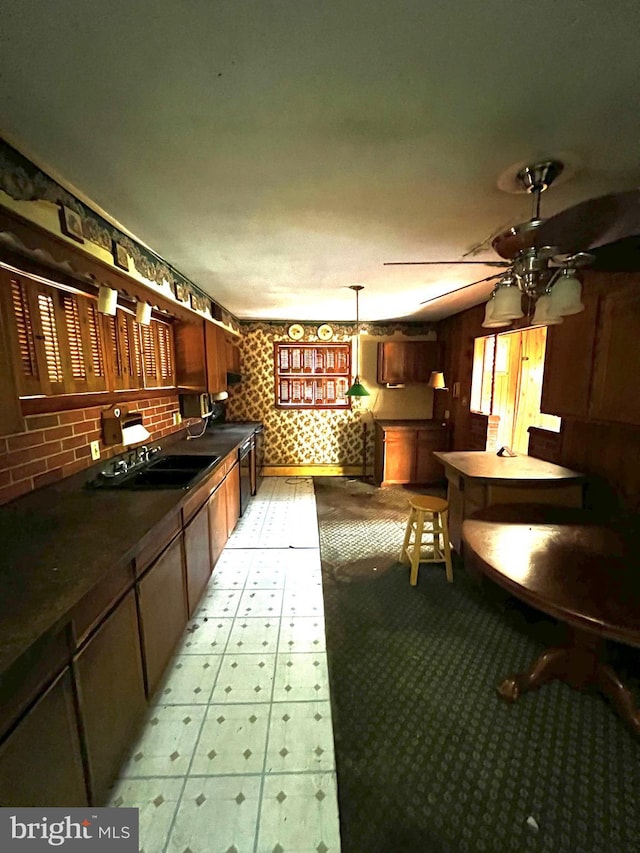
[(120, 467)]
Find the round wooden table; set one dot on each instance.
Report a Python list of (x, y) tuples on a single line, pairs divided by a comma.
[(564, 562)]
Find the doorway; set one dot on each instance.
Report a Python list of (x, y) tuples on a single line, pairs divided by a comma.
[(507, 384)]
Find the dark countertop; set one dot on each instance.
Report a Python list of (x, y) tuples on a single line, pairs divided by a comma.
[(415, 423), (59, 542), (517, 470)]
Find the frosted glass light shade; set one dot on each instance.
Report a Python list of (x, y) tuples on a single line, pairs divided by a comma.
[(508, 304), (544, 314), (107, 300), (566, 296), (143, 313), (489, 321)]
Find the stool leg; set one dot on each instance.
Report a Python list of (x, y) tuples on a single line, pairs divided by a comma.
[(447, 545), (404, 558), (415, 554)]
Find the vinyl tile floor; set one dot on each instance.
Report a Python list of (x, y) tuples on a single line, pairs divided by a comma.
[(237, 755)]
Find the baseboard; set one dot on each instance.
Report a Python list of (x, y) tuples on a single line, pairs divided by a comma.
[(312, 470)]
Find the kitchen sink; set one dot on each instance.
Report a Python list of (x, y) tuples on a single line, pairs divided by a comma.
[(181, 462), (177, 471)]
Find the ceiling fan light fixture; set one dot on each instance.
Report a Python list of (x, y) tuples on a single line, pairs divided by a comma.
[(507, 302), (489, 321), (544, 314), (566, 294)]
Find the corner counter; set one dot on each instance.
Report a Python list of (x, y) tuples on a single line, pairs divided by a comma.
[(477, 479)]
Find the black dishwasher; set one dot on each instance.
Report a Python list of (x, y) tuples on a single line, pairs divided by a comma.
[(244, 458), (257, 459)]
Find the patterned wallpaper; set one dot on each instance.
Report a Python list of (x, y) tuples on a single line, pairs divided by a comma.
[(302, 437)]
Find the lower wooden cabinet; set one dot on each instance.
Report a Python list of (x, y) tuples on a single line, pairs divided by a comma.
[(40, 761), (232, 485), (404, 452), (218, 524), (197, 555), (162, 602), (111, 698)]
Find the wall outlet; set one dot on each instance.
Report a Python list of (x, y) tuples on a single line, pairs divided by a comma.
[(446, 414), (95, 450), (177, 418)]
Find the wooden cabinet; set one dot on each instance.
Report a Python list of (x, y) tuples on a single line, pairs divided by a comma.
[(592, 357), (616, 364), (232, 354), (163, 612), (197, 555), (568, 363), (232, 486), (200, 356), (111, 698), (404, 452), (40, 761), (218, 524), (401, 362)]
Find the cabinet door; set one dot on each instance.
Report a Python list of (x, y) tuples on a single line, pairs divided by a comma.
[(197, 554), (568, 361), (111, 698), (163, 612), (407, 361), (218, 525), (232, 484), (399, 455), (428, 469), (215, 358), (614, 394), (40, 761)]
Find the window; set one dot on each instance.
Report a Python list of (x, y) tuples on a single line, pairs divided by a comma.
[(507, 382), (312, 376), (63, 345)]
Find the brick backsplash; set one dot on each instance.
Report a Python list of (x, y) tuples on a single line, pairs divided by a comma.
[(57, 445)]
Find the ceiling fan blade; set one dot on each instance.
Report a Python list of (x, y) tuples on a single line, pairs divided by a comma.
[(445, 263), (592, 223), (464, 287)]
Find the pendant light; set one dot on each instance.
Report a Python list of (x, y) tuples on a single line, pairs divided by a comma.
[(357, 389)]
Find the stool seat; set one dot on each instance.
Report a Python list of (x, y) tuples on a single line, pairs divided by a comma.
[(426, 538)]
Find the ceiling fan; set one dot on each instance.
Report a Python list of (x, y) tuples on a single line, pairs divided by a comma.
[(536, 253)]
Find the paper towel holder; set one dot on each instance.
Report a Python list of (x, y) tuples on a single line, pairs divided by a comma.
[(119, 426)]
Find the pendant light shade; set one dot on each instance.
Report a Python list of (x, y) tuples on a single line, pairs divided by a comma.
[(489, 321), (357, 389), (545, 314), (566, 295), (508, 303)]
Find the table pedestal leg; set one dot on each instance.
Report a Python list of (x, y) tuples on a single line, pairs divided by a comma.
[(580, 665)]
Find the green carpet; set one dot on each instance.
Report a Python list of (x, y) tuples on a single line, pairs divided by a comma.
[(428, 757)]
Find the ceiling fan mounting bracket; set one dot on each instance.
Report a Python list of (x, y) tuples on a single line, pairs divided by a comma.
[(538, 177)]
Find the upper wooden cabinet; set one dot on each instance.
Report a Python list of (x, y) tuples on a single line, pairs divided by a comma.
[(232, 354), (568, 363), (201, 356), (616, 361), (592, 357), (400, 362)]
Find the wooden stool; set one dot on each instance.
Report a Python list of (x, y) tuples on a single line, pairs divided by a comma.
[(427, 544)]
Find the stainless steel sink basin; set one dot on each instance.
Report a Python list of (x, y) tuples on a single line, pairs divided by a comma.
[(177, 471)]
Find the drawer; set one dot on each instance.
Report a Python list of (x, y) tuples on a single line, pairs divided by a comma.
[(201, 495), (157, 540), (95, 605)]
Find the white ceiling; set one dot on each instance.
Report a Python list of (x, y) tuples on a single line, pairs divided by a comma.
[(278, 151)]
